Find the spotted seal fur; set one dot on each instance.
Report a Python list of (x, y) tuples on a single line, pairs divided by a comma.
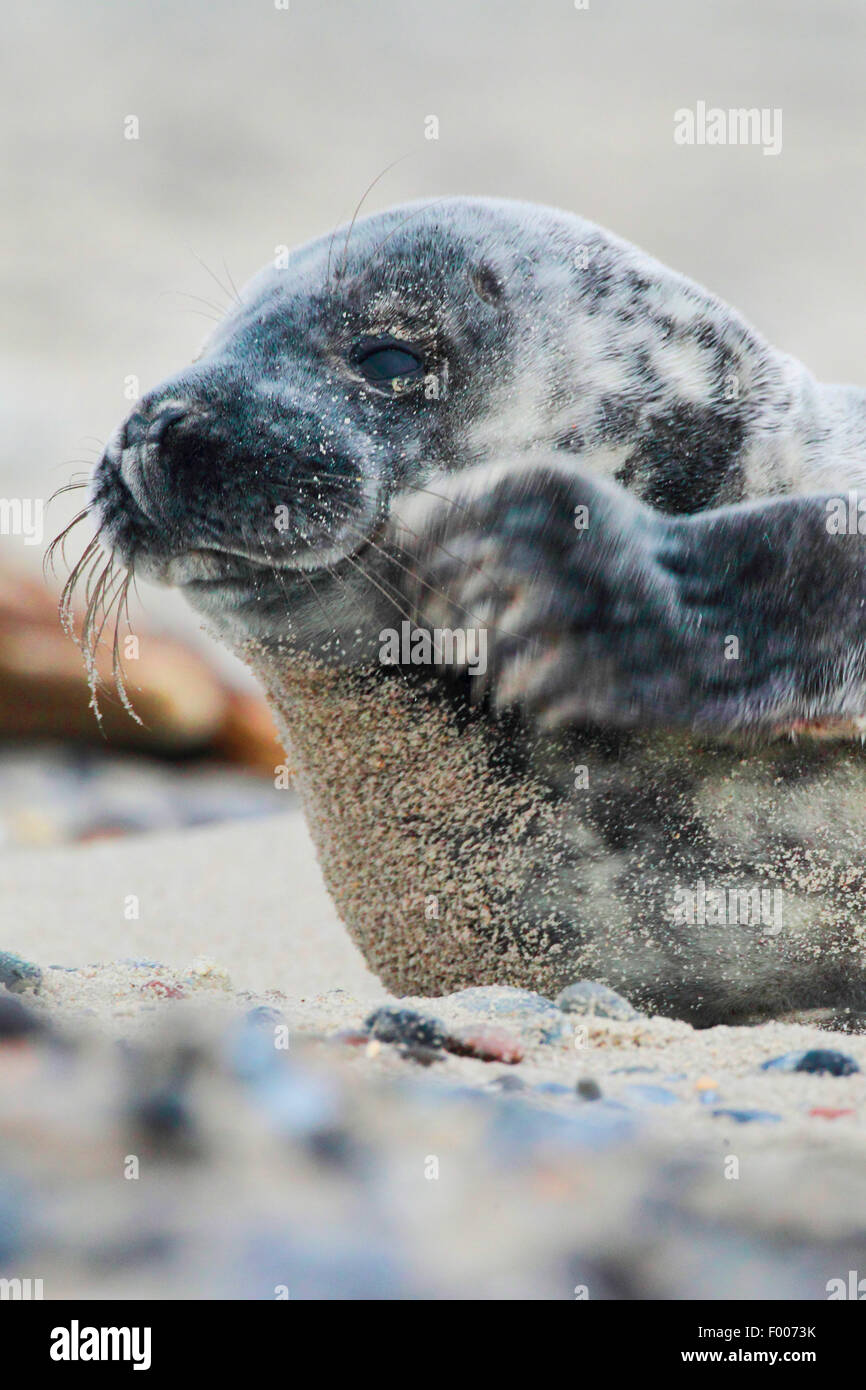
[(487, 413)]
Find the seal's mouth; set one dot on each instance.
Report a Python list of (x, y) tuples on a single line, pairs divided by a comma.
[(211, 567), (182, 552)]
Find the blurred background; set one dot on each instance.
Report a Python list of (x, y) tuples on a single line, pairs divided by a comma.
[(260, 126)]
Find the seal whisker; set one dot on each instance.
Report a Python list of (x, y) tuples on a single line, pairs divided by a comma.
[(110, 592), (87, 643), (334, 477), (113, 586), (341, 270), (448, 597), (90, 556), (74, 482), (220, 286), (231, 281), (277, 573), (417, 213), (199, 299), (391, 598), (59, 541), (476, 526), (117, 673), (94, 598), (211, 318)]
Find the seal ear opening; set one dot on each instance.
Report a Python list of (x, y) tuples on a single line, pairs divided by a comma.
[(486, 283)]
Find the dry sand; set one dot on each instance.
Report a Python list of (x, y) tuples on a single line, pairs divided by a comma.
[(249, 895)]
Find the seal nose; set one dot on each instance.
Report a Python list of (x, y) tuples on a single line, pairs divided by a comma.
[(149, 426)]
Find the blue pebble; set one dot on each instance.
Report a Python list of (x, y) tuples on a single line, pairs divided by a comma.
[(518, 1006), (789, 1061), (826, 1060), (595, 1000), (406, 1027), (823, 1061), (17, 974), (263, 1016), (744, 1116)]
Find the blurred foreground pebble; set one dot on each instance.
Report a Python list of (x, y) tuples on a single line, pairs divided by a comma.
[(823, 1061), (198, 1143), (17, 974), (195, 1142)]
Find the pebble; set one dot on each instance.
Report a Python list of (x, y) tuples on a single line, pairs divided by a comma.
[(486, 1044), (589, 997), (509, 1082), (16, 1021), (165, 1118), (424, 1056), (406, 1027), (588, 1089), (708, 1090), (524, 1010), (263, 1016), (204, 970), (163, 989), (296, 1102), (17, 974), (744, 1116), (820, 1060), (299, 1104)]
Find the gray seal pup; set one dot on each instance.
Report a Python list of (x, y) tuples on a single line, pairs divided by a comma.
[(550, 566)]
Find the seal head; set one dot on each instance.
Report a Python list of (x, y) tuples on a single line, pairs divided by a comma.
[(425, 340)]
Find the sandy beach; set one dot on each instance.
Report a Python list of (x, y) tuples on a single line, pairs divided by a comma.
[(616, 1158)]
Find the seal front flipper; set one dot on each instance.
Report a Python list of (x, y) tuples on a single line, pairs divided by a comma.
[(561, 570), (598, 609)]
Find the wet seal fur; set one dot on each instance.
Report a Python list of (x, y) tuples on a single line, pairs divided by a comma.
[(430, 401)]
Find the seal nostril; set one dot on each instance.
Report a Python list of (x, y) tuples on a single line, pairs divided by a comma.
[(149, 427), (162, 422), (133, 430)]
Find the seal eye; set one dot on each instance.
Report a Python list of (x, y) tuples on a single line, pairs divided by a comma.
[(387, 362)]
